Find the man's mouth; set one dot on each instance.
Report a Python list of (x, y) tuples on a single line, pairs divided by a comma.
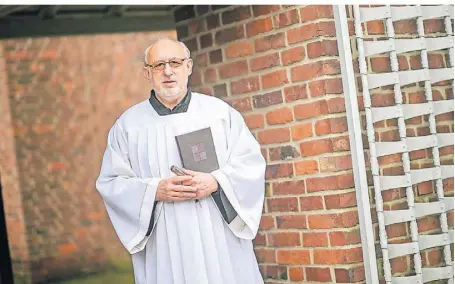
[(169, 82)]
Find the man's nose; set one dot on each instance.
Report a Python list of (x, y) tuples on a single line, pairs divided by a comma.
[(168, 70)]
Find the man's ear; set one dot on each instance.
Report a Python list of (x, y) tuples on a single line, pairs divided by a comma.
[(190, 66), (146, 73)]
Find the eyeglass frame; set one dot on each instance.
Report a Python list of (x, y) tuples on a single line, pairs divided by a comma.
[(166, 62)]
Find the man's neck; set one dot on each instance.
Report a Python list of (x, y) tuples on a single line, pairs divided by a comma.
[(171, 104)]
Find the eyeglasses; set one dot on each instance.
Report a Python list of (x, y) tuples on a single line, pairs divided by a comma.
[(160, 65)]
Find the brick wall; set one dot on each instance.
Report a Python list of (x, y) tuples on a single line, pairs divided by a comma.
[(278, 65), (65, 93), (11, 194), (418, 126)]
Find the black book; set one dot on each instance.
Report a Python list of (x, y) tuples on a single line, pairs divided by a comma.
[(197, 152)]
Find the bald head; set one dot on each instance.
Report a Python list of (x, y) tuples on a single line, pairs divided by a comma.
[(159, 41)]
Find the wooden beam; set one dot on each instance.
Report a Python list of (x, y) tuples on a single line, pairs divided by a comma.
[(5, 10), (35, 27)]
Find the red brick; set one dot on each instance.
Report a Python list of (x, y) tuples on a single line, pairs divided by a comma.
[(254, 121), (286, 18), (337, 163), (293, 256), (340, 144), (229, 70), (229, 34), (302, 33), (274, 79), (376, 27), (308, 203), (294, 93), (321, 48), (435, 61), (326, 28), (306, 71), (259, 10), (318, 274), (405, 27), (336, 105), (284, 239), (428, 223), (202, 60), (241, 105), (342, 238), (399, 264), (289, 187), (265, 255), (267, 99), (293, 55), (296, 273), (381, 64), (283, 204), (267, 222), (331, 67), (337, 256), (265, 43), (277, 135), (434, 26), (311, 109), (239, 49), (279, 116), (196, 78), (278, 171), (291, 221), (259, 26), (350, 275), (264, 62), (317, 88), (328, 221), (316, 12), (329, 182), (236, 15), (260, 240), (322, 127), (301, 131), (245, 85), (306, 167), (315, 147), (343, 200), (283, 153), (210, 75)]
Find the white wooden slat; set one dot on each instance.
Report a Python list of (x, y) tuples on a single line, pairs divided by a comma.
[(381, 79), (443, 106), (377, 47), (388, 182), (431, 241), (421, 175), (413, 76), (436, 273), (440, 74), (383, 113), (451, 12), (438, 43), (413, 110), (409, 44), (429, 12), (405, 12), (428, 208), (421, 142), (449, 203), (375, 13), (446, 171), (445, 139), (398, 216), (389, 148), (397, 250), (414, 279), (451, 236)]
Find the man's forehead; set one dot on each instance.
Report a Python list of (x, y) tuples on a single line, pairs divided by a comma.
[(166, 49)]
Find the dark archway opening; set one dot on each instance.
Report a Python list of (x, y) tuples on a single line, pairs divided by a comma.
[(6, 273)]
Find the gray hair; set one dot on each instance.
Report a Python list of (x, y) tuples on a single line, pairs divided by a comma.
[(160, 38)]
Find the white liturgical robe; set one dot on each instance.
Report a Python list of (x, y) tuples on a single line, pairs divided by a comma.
[(189, 243)]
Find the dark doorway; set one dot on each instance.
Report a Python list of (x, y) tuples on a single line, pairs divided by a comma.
[(6, 273)]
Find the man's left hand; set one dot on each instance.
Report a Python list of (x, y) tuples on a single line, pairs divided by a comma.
[(205, 183)]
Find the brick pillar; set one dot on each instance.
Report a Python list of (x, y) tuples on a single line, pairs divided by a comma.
[(65, 93), (12, 195), (279, 66)]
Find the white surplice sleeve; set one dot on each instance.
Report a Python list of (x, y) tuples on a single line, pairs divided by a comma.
[(242, 178), (129, 199)]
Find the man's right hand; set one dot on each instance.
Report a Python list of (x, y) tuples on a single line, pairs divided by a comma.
[(173, 189)]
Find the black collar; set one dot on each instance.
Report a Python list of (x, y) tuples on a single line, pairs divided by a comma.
[(161, 109)]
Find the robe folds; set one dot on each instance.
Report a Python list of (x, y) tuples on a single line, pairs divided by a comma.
[(189, 242)]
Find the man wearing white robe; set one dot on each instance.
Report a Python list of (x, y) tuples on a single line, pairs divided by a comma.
[(172, 238)]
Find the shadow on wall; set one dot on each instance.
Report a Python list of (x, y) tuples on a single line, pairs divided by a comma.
[(64, 94)]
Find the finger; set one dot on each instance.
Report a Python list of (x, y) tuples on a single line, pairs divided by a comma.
[(188, 172), (188, 183), (183, 195), (184, 188), (179, 179)]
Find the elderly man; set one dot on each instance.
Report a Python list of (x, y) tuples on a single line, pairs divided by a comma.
[(177, 228)]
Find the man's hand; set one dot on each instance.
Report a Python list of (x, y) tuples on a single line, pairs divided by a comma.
[(176, 188), (205, 183)]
